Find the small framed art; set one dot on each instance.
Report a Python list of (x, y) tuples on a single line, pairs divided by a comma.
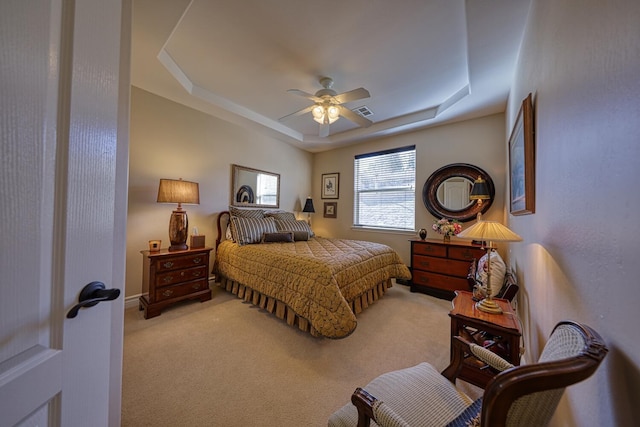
[(330, 185), (330, 209), (522, 174)]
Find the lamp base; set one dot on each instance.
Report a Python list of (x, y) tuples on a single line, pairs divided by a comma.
[(488, 305), (178, 229)]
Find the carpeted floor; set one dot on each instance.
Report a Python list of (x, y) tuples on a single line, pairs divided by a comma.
[(227, 363)]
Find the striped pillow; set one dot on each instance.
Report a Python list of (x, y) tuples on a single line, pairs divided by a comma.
[(297, 225), (246, 213), (250, 230), (281, 215)]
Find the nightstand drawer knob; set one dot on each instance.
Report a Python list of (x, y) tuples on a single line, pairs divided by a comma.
[(168, 264), (167, 279), (196, 286), (197, 260), (168, 293), (196, 273)]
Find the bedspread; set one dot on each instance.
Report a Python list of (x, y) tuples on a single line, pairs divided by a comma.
[(317, 278)]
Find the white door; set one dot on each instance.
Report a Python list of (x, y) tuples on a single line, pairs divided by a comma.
[(456, 194), (63, 186)]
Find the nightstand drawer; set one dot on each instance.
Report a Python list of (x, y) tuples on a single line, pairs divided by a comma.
[(441, 265), (181, 262), (465, 254), (179, 276), (429, 249), (439, 281), (181, 290)]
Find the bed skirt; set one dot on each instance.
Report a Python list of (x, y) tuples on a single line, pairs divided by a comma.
[(284, 312)]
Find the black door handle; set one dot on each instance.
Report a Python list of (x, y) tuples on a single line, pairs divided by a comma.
[(91, 295)]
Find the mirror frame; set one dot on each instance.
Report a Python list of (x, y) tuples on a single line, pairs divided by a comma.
[(464, 170), (238, 188)]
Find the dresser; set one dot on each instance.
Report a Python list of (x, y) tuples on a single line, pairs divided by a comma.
[(169, 277), (440, 268)]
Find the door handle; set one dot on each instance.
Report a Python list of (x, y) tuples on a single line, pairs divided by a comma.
[(91, 295)]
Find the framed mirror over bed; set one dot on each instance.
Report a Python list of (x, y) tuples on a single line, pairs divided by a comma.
[(254, 188)]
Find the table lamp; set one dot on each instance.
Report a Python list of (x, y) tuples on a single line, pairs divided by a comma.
[(492, 231), (308, 208), (178, 191)]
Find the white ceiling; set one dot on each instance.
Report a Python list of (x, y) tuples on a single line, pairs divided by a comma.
[(425, 62)]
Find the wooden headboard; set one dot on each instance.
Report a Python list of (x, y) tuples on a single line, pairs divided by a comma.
[(222, 227)]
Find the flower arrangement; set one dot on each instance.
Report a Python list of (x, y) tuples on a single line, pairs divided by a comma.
[(447, 227)]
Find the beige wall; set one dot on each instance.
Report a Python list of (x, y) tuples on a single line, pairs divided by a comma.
[(169, 140), (581, 61), (479, 142)]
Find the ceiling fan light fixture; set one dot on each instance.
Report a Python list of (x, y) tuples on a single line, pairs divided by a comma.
[(325, 114)]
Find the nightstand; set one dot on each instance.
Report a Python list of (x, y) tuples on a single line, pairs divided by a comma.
[(169, 277), (499, 333)]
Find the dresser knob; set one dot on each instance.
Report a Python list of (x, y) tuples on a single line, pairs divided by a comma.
[(196, 273), (168, 293), (196, 286), (167, 279), (197, 260)]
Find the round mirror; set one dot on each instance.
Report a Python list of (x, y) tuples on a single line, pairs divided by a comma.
[(446, 193)]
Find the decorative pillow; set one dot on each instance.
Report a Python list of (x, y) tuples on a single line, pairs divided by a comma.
[(280, 236), (281, 215), (498, 270), (228, 235), (299, 236), (250, 230), (470, 417), (297, 225), (246, 213)]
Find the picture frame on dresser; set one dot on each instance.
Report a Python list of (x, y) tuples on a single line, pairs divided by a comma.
[(522, 161)]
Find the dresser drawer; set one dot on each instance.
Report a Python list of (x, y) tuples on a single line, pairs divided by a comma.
[(441, 265), (181, 290), (465, 254), (173, 277), (439, 281), (429, 249), (185, 261)]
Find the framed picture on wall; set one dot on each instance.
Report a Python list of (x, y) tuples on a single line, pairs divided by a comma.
[(330, 185), (522, 162), (330, 209)]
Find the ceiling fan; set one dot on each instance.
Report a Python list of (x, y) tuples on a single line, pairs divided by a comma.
[(327, 107)]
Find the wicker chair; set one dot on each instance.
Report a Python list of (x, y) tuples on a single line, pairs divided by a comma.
[(524, 395)]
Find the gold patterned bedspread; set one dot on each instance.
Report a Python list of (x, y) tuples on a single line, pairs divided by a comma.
[(316, 278)]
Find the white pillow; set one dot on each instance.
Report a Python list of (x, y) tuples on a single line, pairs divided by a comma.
[(498, 270)]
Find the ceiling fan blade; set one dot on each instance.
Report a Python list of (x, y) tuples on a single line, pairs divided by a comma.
[(297, 113), (305, 95), (352, 95), (354, 117), (324, 130)]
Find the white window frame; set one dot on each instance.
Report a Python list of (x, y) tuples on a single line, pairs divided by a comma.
[(371, 168)]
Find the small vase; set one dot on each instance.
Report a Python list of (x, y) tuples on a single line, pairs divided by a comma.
[(447, 238), (422, 233)]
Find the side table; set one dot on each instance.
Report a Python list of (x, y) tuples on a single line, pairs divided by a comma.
[(169, 277), (499, 333)]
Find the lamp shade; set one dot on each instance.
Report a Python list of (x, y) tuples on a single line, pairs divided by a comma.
[(492, 231), (308, 206), (480, 190), (178, 191)]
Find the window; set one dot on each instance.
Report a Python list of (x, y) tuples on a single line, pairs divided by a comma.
[(385, 189)]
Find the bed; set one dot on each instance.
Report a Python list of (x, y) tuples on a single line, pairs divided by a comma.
[(317, 284)]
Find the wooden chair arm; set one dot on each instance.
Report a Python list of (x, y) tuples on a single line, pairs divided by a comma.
[(363, 401), (459, 348)]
